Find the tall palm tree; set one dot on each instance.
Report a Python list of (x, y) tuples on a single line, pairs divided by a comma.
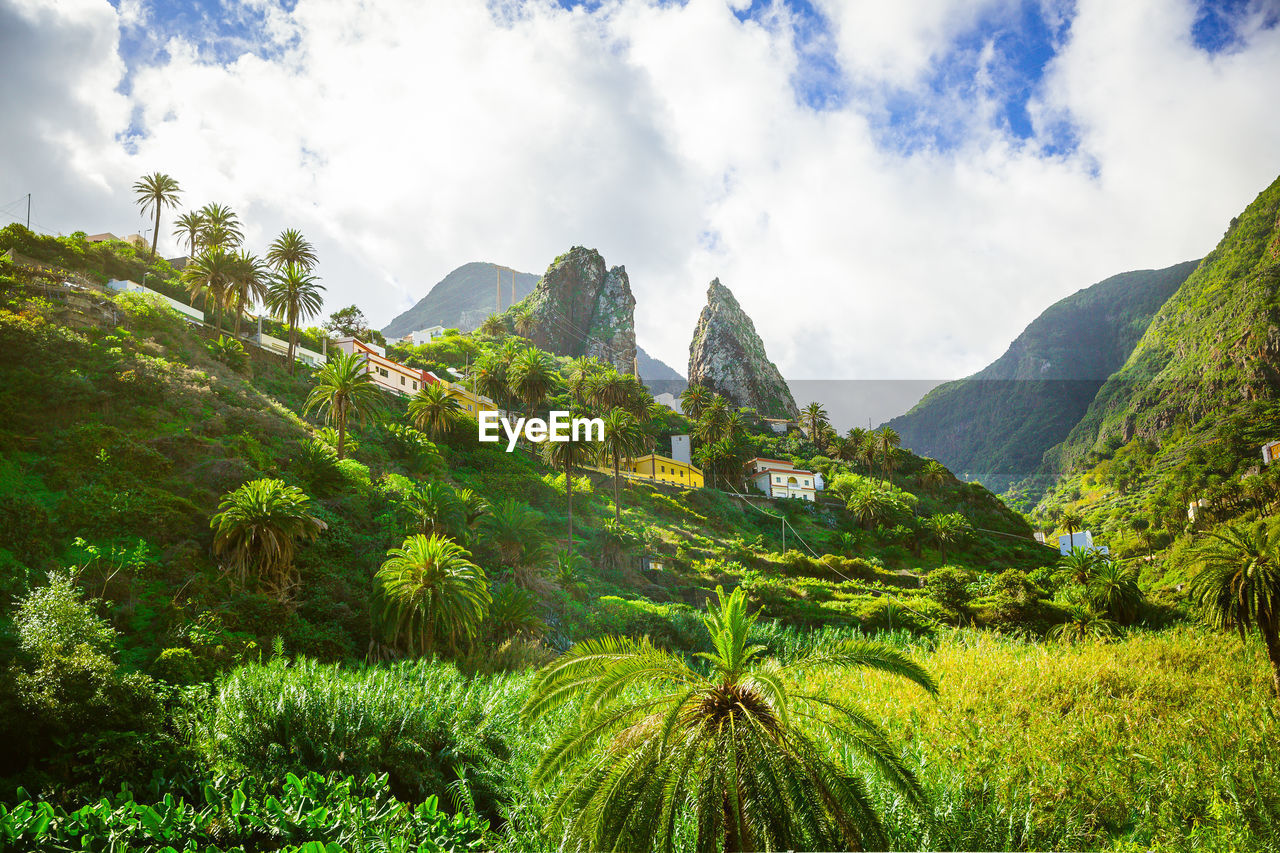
[(248, 284), (742, 750), (623, 439), (933, 475), (156, 192), (608, 389), (189, 226), (210, 275), (492, 327), (221, 226), (946, 529), (713, 423), (866, 451), (291, 248), (294, 295), (694, 399), (524, 322), (434, 590), (1237, 584), (1114, 590), (566, 455), (434, 411), (345, 390), (578, 374), (887, 442), (814, 416), (531, 377), (1072, 521), (256, 529)]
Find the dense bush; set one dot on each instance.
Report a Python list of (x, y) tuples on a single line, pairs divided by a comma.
[(421, 723)]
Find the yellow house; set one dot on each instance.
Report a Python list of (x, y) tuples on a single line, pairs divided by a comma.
[(667, 470), (471, 403)]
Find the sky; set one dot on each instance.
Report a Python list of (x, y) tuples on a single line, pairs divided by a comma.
[(892, 190)]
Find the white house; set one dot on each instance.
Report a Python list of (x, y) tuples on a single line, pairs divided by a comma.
[(391, 375), (189, 313), (779, 479), (423, 336), (1080, 539), (680, 449)]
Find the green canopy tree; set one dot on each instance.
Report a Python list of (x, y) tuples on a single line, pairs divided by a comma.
[(433, 591), (344, 391), (155, 192), (742, 747)]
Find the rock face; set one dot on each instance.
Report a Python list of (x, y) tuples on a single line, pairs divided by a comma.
[(727, 356), (580, 307)]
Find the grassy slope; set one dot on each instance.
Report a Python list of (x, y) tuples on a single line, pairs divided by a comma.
[(997, 424)]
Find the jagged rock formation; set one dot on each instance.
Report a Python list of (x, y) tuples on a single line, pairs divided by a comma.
[(727, 356), (995, 426), (580, 307), (462, 300)]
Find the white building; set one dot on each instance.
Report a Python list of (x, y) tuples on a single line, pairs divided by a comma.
[(779, 479), (680, 449), (391, 375), (1080, 539), (423, 336)]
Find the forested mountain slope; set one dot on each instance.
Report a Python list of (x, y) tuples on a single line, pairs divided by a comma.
[(995, 426)]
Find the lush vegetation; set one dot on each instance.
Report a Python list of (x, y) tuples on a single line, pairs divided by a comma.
[(245, 606)]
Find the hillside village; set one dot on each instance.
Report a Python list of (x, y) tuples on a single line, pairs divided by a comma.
[(238, 549)]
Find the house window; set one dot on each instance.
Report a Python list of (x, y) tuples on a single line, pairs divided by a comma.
[(401, 380), (777, 479), (806, 482), (383, 371), (415, 385)]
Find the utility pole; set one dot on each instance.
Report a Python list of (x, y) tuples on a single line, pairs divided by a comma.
[(28, 211), (497, 292)]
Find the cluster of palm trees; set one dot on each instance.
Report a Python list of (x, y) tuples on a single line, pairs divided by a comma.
[(721, 433), (228, 277), (1106, 592)]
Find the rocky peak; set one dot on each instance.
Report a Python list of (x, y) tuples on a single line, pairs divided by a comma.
[(727, 356), (580, 307)]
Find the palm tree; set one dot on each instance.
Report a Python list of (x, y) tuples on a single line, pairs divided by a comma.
[(295, 296), (474, 506), (344, 389), (866, 452), (492, 327), (156, 192), (815, 417), (524, 323), (512, 528), (871, 507), (256, 528), (1083, 624), (434, 411), (531, 377), (743, 750), (933, 475), (209, 275), (887, 442), (1079, 565), (623, 439), (1072, 521), (248, 282), (221, 226), (946, 529), (578, 374), (433, 591), (694, 400), (566, 455), (713, 423), (291, 249), (189, 227), (436, 510), (1238, 584), (1113, 589), (608, 389)]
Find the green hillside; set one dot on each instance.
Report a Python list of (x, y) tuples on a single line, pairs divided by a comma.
[(996, 425)]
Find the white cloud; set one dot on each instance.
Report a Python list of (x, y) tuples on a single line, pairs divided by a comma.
[(409, 138)]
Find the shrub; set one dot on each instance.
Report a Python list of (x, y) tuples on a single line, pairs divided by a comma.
[(949, 587), (422, 723)]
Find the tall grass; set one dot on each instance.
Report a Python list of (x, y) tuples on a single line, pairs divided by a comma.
[(422, 723), (1168, 740)]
